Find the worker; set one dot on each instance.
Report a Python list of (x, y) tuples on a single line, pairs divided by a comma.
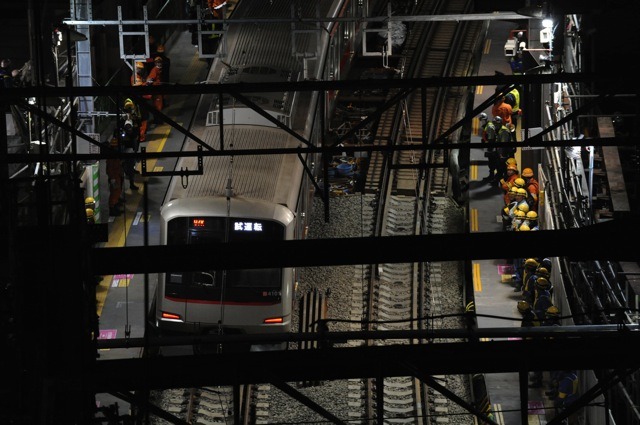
[(216, 9), (551, 316), (138, 117), (90, 206), (529, 319), (139, 77), (507, 218), (502, 109), (129, 144), (521, 200), (528, 268), (166, 63), (528, 315), (115, 175), (542, 295), (516, 221), (7, 75), (507, 182), (533, 188), (513, 99), (90, 202), (532, 220), (91, 219), (568, 387), (528, 290), (546, 264), (504, 152), (519, 183), (489, 135), (155, 78)]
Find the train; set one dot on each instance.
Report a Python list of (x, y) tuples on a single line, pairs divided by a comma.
[(258, 197)]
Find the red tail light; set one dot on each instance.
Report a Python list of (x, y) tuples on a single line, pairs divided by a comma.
[(171, 316)]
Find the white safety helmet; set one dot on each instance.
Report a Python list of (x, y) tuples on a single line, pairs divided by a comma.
[(483, 117)]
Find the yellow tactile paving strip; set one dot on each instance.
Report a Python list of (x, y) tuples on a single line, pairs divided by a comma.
[(119, 227)]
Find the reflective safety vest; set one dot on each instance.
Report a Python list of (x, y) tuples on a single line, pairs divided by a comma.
[(515, 107)]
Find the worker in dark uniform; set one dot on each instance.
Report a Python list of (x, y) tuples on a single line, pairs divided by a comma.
[(7, 74), (129, 144), (542, 301), (528, 290), (568, 388), (490, 135), (138, 117), (529, 317), (504, 153)]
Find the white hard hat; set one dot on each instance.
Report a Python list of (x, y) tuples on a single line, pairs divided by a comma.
[(483, 116)]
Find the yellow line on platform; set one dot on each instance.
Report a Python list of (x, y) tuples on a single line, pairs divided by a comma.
[(477, 279), (473, 220), (473, 172), (120, 226), (498, 416), (476, 126)]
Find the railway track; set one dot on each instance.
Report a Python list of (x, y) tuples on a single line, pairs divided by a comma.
[(214, 405), (410, 189), (404, 194)]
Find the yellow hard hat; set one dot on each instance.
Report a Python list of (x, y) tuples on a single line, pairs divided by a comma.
[(541, 271), (524, 208), (511, 161), (519, 182), (512, 167), (519, 214), (513, 190), (89, 200), (521, 191), (552, 311), (527, 172), (523, 228), (532, 215), (523, 306), (139, 65), (89, 212), (542, 283)]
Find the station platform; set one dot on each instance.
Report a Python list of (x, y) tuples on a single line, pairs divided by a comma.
[(494, 288)]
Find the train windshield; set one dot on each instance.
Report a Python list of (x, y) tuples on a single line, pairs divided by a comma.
[(240, 285)]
